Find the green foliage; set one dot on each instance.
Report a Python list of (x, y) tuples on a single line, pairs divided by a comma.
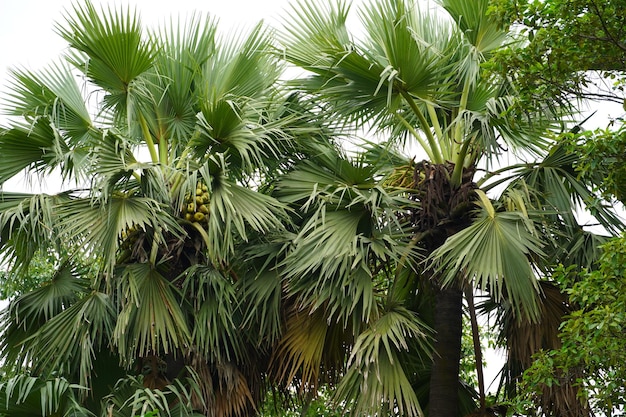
[(320, 405), (40, 270), (23, 396), (230, 237), (131, 398), (564, 40), (601, 158), (593, 354), (170, 111)]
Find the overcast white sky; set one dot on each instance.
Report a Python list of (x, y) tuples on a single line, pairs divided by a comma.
[(27, 36)]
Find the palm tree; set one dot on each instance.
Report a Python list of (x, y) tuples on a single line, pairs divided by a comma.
[(345, 322), (417, 75), (164, 141)]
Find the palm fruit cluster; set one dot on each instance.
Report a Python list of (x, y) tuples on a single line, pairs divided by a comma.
[(403, 176), (128, 237), (196, 207)]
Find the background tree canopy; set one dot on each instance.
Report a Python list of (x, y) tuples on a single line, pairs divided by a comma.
[(576, 48), (591, 358)]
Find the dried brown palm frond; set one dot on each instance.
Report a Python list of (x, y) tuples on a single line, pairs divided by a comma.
[(311, 351), (225, 390), (523, 339)]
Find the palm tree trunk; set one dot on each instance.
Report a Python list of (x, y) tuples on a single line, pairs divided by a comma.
[(478, 354), (444, 381)]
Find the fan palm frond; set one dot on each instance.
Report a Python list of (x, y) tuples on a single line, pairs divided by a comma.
[(151, 319), (26, 314), (494, 252), (24, 395), (112, 51), (59, 123), (235, 211), (215, 304), (29, 224), (375, 377), (262, 304), (77, 333), (187, 47), (98, 225), (130, 398), (484, 33), (25, 148)]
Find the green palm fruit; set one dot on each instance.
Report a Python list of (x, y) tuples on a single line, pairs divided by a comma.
[(196, 208)]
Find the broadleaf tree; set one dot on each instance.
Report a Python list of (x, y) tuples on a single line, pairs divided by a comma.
[(589, 358), (571, 49)]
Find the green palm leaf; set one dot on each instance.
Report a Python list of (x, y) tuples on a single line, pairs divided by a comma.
[(557, 180), (59, 129), (235, 210), (375, 377), (26, 396), (52, 92), (364, 81), (348, 231), (27, 314), (262, 301), (316, 39), (151, 320), (412, 46), (115, 52), (494, 253), (29, 224), (558, 191), (235, 95), (241, 68), (77, 333), (130, 398), (98, 225), (215, 305), (24, 147), (187, 47), (473, 19)]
